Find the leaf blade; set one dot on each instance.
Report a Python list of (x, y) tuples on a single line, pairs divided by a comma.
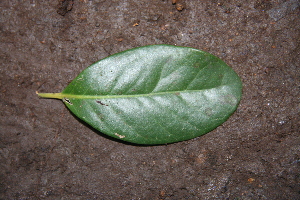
[(155, 94)]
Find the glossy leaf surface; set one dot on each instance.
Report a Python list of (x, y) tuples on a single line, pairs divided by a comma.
[(154, 94)]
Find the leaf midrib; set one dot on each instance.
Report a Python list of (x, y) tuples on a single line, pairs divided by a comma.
[(76, 96)]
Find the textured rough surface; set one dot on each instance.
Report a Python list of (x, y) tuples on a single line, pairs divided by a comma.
[(46, 153)]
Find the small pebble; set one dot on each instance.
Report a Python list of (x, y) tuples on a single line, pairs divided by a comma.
[(179, 7)]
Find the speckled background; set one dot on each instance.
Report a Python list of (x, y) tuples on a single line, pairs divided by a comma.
[(46, 153)]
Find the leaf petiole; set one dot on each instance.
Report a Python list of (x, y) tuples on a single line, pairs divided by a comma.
[(51, 95)]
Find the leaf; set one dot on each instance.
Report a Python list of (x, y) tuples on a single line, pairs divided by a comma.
[(154, 94)]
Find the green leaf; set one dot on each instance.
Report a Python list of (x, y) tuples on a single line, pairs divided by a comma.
[(154, 94)]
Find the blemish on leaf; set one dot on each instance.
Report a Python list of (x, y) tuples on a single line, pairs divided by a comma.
[(67, 101), (177, 93), (229, 100), (209, 112), (120, 136), (103, 104), (197, 65)]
